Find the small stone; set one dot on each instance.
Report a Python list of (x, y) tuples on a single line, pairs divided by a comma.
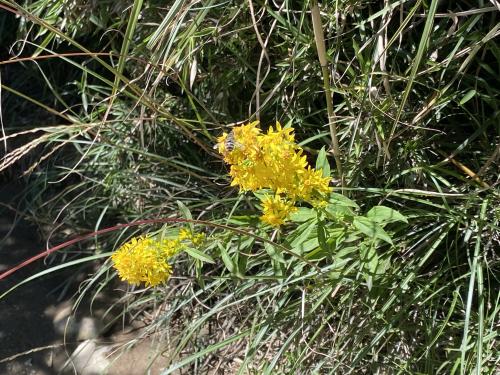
[(88, 359), (89, 328)]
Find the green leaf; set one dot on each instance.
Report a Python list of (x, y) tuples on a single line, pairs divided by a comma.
[(322, 237), (384, 215), (346, 252), (369, 257), (303, 214), (185, 211), (425, 38), (383, 265), (370, 261), (316, 255), (263, 194), (301, 235), (55, 269), (308, 245), (197, 254), (468, 96), (339, 199), (336, 212), (322, 163), (228, 262), (371, 229), (242, 261), (135, 14), (186, 214), (242, 220), (357, 51), (273, 253), (208, 350)]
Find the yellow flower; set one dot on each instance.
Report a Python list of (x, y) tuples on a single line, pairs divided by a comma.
[(144, 259), (239, 145), (272, 161), (259, 161), (313, 184), (184, 234), (276, 210), (195, 238)]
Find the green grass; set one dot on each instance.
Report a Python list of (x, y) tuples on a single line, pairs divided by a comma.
[(127, 101)]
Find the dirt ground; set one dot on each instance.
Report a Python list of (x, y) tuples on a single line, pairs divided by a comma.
[(24, 324), (34, 337)]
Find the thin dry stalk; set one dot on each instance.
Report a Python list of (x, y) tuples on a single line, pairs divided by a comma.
[(264, 53), (320, 46)]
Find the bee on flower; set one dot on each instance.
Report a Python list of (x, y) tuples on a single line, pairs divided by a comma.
[(226, 143), (273, 161)]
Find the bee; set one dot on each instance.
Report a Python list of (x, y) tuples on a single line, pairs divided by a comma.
[(229, 143)]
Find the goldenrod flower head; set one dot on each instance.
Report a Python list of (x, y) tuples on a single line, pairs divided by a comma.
[(195, 238), (313, 185), (184, 234), (144, 259), (239, 144), (276, 210), (272, 161)]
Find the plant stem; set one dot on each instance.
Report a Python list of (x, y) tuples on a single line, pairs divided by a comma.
[(77, 239), (320, 46)]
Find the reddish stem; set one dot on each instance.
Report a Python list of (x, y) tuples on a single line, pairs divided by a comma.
[(84, 237), (151, 221)]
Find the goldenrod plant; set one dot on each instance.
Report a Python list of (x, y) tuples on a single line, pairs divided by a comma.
[(313, 183), (272, 161)]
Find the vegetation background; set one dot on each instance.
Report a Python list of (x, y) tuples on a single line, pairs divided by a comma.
[(110, 111)]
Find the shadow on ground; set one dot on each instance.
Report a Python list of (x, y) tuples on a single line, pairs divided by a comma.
[(36, 316), (25, 327)]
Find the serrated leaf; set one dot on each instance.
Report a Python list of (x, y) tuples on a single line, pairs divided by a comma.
[(197, 254), (322, 163), (371, 229), (382, 214)]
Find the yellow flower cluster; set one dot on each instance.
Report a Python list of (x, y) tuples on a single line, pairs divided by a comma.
[(195, 238), (272, 161), (275, 210), (145, 259)]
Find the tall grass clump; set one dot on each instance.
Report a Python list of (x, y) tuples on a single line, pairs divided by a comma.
[(166, 119)]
